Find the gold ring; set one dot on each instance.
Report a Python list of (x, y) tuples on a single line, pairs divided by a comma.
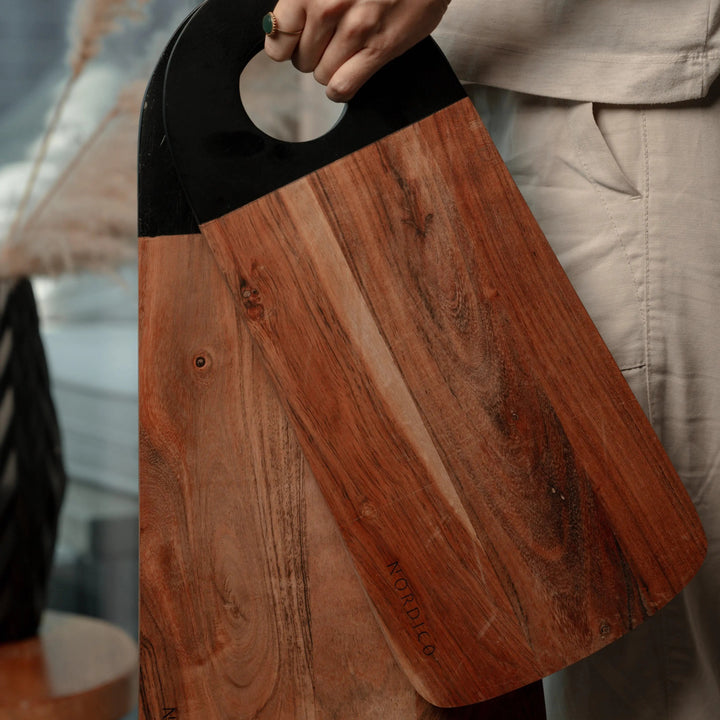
[(270, 26)]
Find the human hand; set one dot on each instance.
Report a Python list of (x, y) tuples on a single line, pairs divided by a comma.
[(343, 42)]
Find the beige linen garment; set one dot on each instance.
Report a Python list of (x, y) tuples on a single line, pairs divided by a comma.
[(629, 197), (615, 51)]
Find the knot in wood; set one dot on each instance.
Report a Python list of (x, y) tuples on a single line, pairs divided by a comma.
[(252, 302)]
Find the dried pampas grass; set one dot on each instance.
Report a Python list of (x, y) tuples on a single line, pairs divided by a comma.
[(92, 20), (65, 231)]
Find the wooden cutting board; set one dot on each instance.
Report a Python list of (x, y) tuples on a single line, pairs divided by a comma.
[(241, 562), (507, 506)]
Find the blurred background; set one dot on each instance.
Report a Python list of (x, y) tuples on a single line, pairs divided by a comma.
[(73, 76), (71, 86)]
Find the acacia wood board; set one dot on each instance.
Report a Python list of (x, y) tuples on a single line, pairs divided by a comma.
[(508, 508)]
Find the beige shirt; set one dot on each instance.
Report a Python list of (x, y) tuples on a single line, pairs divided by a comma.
[(613, 51)]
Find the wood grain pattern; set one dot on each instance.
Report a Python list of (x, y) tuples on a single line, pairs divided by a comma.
[(208, 550), (250, 606), (487, 464), (76, 667)]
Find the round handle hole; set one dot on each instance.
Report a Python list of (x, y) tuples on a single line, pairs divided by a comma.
[(284, 103)]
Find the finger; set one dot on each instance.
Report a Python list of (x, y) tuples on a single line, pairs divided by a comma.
[(335, 56), (313, 43), (290, 18), (351, 36), (353, 73)]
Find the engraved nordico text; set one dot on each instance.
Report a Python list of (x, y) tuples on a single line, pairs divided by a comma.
[(411, 608)]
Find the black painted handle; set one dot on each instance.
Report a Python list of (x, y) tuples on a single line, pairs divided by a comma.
[(162, 207), (224, 161)]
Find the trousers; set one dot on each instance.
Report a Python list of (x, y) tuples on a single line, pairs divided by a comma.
[(629, 199)]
